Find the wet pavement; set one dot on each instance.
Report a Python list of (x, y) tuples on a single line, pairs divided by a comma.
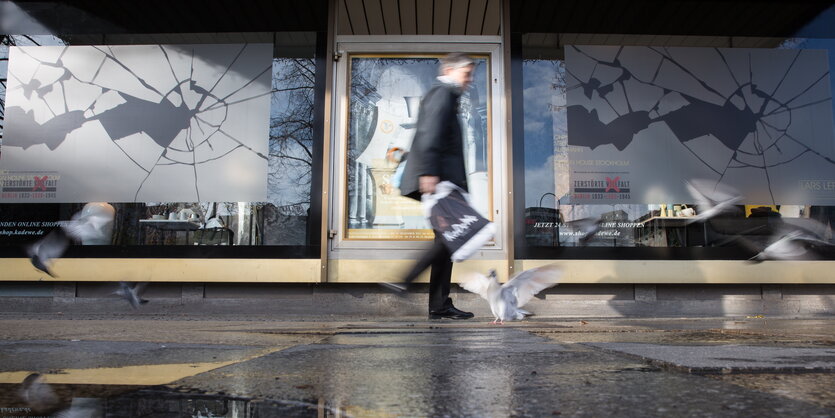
[(171, 366)]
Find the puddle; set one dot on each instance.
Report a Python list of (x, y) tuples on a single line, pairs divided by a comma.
[(122, 401), (146, 374), (140, 375)]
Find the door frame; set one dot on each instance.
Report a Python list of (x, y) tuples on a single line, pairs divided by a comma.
[(340, 248)]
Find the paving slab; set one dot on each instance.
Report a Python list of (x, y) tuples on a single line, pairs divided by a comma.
[(53, 355), (712, 359), (358, 366), (460, 371)]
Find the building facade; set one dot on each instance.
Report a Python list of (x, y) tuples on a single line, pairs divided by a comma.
[(256, 142)]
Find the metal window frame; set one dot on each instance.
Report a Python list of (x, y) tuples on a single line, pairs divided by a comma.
[(345, 46)]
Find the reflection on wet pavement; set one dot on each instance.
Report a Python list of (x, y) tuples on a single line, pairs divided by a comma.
[(407, 369)]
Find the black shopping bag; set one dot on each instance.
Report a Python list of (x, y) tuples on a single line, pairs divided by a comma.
[(462, 229)]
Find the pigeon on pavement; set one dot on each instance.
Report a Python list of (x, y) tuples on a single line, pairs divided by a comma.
[(132, 293), (506, 300)]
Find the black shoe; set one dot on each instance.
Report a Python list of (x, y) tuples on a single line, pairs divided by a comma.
[(451, 313)]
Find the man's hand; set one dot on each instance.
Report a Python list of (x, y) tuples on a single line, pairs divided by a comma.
[(427, 184)]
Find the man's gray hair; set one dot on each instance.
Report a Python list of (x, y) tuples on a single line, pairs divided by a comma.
[(455, 60)]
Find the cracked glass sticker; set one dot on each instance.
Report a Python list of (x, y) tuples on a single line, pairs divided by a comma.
[(643, 120), (139, 123)]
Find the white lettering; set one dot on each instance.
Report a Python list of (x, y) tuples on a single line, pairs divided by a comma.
[(460, 228)]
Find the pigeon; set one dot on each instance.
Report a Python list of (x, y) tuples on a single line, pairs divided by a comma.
[(588, 228), (37, 394), (786, 244), (711, 198), (83, 226), (52, 245), (132, 293), (507, 299), (87, 226)]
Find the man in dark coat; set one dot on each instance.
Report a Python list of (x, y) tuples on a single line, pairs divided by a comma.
[(437, 154)]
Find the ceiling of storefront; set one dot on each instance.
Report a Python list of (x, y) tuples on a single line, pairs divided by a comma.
[(741, 18), (419, 17), (170, 16), (752, 18)]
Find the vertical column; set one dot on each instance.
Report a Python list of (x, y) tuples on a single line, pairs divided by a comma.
[(327, 112), (193, 293), (510, 142), (646, 293)]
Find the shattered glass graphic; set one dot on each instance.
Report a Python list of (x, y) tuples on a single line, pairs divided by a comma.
[(141, 122), (642, 120)]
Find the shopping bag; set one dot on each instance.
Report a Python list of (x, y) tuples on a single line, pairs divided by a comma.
[(462, 229)]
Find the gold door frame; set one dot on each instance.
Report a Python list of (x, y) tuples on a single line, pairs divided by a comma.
[(423, 234), (488, 48)]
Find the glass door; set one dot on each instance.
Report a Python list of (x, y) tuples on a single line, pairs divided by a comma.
[(378, 94)]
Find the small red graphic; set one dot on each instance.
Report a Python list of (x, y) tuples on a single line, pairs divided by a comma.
[(40, 183), (612, 184)]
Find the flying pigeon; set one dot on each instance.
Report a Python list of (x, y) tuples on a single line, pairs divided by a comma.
[(132, 293), (588, 228), (711, 198), (42, 251), (83, 226), (786, 244), (37, 394), (507, 299)]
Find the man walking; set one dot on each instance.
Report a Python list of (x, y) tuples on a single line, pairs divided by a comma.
[(436, 155)]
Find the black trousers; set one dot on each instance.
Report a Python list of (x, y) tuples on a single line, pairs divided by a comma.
[(437, 257)]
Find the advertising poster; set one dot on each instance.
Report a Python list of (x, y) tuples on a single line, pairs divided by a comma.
[(136, 123), (644, 120)]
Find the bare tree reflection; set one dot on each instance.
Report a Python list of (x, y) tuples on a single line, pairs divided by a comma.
[(291, 131)]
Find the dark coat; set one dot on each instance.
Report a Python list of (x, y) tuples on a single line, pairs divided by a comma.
[(438, 146)]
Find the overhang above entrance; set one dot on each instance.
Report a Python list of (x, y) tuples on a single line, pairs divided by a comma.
[(419, 17)]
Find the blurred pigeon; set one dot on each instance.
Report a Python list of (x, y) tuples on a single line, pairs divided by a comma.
[(42, 251), (786, 244), (711, 198), (132, 293), (38, 395), (88, 225), (588, 228), (84, 226), (506, 300)]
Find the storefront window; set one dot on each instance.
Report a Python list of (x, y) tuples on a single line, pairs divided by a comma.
[(617, 138), (385, 94), (283, 219)]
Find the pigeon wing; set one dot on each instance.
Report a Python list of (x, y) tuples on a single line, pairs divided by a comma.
[(139, 288), (699, 198), (588, 228), (43, 251), (793, 244), (83, 227), (477, 283), (804, 228), (123, 290), (709, 193), (711, 198), (530, 282), (509, 310)]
